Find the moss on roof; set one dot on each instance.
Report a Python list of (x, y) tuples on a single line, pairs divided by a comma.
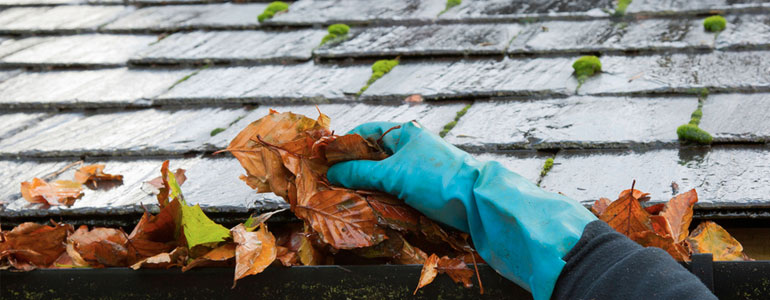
[(272, 9), (714, 23)]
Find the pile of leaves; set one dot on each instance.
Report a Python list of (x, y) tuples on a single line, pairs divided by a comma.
[(666, 226), (288, 154)]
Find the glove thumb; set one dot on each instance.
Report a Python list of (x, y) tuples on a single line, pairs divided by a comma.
[(355, 174)]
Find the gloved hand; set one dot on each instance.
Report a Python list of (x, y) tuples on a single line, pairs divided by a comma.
[(521, 230)]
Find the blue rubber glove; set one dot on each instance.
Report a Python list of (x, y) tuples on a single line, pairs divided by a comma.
[(521, 230)]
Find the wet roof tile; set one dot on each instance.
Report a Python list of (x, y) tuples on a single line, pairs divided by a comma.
[(83, 50), (59, 18), (178, 17), (232, 47), (671, 7), (13, 122), (519, 9), (306, 12), (737, 117)]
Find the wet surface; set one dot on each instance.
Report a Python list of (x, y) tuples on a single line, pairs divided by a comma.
[(270, 84), (703, 6), (12, 123), (59, 18), (721, 175), (178, 17), (528, 164), (425, 40), (92, 88), (232, 47), (88, 49), (576, 122), (745, 31), (305, 12), (737, 117), (114, 133), (507, 9)]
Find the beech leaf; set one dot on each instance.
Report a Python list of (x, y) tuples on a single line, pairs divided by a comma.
[(92, 174), (457, 270), (254, 252), (31, 245), (428, 272), (678, 212), (60, 192), (103, 246), (343, 219), (709, 237)]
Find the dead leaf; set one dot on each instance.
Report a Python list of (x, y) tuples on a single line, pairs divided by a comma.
[(254, 252), (655, 209), (678, 212), (709, 237), (600, 205), (163, 260), (352, 147), (414, 99), (31, 245), (60, 192), (155, 234), (92, 174), (428, 272), (456, 269), (157, 183), (626, 214), (393, 212), (103, 247), (652, 239), (218, 256), (287, 257), (343, 219)]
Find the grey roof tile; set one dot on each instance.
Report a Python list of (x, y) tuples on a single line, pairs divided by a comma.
[(92, 88), (37, 2), (179, 17), (745, 31), (17, 171), (232, 47), (59, 18), (13, 122), (679, 7), (115, 133), (525, 163), (576, 122), (717, 71), (737, 117), (425, 40), (522, 9), (11, 46), (346, 116), (723, 176), (607, 35), (476, 78), (270, 84), (81, 50), (306, 12)]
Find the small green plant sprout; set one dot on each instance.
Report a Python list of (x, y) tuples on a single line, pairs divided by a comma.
[(336, 32), (546, 167), (450, 4), (620, 10), (714, 23), (585, 67), (272, 9), (379, 69)]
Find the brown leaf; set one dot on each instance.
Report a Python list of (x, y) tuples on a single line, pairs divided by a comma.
[(351, 147), (157, 182), (456, 269), (155, 234), (660, 225), (652, 239), (428, 272), (709, 237), (308, 254), (287, 257), (655, 209), (254, 252), (103, 247), (175, 258), (218, 256), (600, 205), (626, 214), (60, 192), (393, 212), (678, 212), (637, 194), (410, 255), (435, 234), (31, 245), (92, 174), (343, 219)]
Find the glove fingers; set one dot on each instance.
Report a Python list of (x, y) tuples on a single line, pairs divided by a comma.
[(356, 174)]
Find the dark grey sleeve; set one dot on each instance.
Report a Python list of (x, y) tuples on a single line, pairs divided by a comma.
[(606, 265)]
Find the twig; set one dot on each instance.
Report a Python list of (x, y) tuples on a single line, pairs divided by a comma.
[(62, 170), (478, 276)]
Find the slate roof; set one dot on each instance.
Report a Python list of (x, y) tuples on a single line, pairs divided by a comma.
[(132, 83)]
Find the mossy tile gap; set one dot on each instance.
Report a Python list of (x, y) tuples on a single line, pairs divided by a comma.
[(336, 33), (449, 5), (690, 132), (460, 113), (219, 130), (547, 166), (188, 76), (272, 9), (379, 69)]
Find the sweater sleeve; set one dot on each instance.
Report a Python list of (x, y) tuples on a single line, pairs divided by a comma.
[(604, 264)]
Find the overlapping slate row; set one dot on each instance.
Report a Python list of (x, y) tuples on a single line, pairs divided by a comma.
[(307, 82), (211, 182), (233, 47), (186, 17), (679, 7), (496, 10), (59, 19), (353, 12), (724, 176), (89, 50), (15, 3), (575, 122), (737, 117), (13, 122), (87, 88), (670, 73)]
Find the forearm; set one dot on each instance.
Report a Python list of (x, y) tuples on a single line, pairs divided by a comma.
[(606, 265)]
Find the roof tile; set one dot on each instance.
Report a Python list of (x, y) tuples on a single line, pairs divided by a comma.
[(58, 18), (179, 17), (79, 50), (522, 9), (307, 12), (737, 117)]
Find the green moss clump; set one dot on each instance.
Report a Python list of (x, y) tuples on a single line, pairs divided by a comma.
[(585, 67), (217, 131), (379, 69), (449, 5), (272, 9), (546, 167), (695, 117), (336, 32), (692, 133), (714, 23), (620, 10)]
